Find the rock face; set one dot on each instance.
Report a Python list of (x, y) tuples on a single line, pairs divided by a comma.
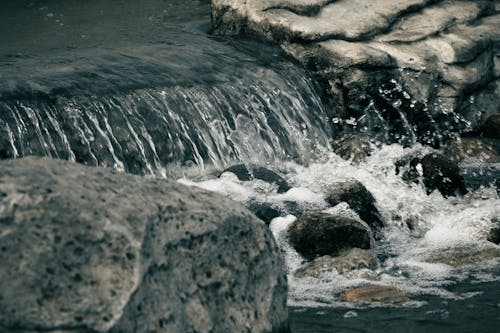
[(351, 260), (441, 173), (359, 199), (318, 234), (408, 70), (92, 250)]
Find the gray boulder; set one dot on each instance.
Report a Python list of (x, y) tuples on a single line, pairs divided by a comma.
[(317, 234), (412, 70), (93, 250)]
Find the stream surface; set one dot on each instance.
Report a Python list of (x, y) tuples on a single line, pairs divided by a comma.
[(144, 88)]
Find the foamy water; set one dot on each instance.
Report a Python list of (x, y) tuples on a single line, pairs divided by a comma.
[(441, 228)]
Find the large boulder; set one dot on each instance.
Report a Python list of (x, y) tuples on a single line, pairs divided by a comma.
[(93, 250), (403, 70), (317, 234), (359, 199)]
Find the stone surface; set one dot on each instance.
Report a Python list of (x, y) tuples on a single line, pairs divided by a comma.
[(351, 260), (354, 147), (317, 234), (376, 293), (359, 199), (441, 173), (93, 250), (494, 234), (463, 255), (249, 172), (405, 71)]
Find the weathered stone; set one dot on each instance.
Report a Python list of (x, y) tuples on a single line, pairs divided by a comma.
[(264, 211), (249, 172), (359, 199), (318, 234), (463, 255), (376, 293), (351, 260), (412, 70), (93, 250)]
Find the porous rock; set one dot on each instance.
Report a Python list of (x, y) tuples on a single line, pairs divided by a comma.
[(316, 234), (92, 250)]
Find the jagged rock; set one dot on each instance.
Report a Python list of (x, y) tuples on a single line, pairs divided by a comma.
[(407, 70), (491, 127), (249, 172), (441, 173), (359, 199), (351, 260), (376, 293), (317, 234), (93, 250), (463, 255)]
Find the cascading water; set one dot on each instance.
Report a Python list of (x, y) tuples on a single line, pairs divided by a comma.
[(179, 103)]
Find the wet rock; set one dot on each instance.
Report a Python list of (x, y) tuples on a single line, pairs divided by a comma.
[(351, 260), (494, 234), (94, 250), (413, 70), (249, 172), (264, 211), (463, 255), (317, 234), (376, 293), (474, 149), (491, 127), (354, 147), (441, 173), (359, 199)]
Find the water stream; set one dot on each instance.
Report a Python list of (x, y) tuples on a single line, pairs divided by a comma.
[(169, 100)]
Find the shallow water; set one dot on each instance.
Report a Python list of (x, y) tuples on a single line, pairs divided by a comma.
[(145, 89)]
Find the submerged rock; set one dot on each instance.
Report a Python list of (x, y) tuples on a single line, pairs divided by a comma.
[(463, 255), (412, 70), (249, 172), (93, 250), (376, 293), (359, 199), (317, 234), (351, 260)]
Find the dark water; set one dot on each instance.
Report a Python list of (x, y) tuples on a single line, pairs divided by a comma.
[(142, 86), (480, 313)]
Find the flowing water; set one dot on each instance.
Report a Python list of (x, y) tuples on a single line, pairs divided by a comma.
[(144, 88)]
